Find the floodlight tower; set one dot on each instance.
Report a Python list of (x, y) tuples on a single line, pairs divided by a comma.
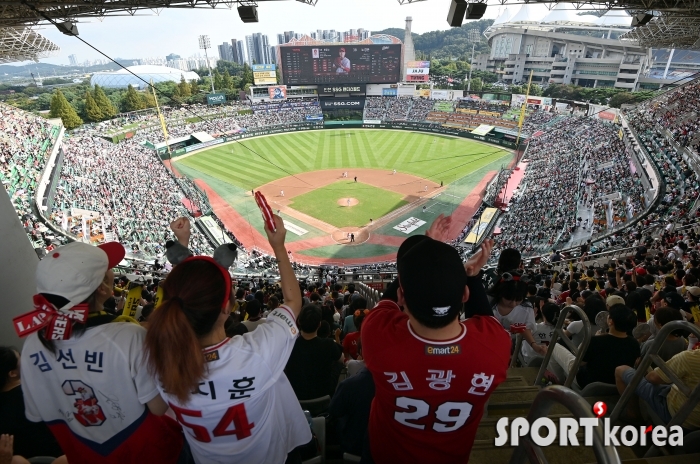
[(205, 43), (474, 36)]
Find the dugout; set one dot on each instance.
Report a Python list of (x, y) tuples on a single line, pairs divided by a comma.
[(179, 145)]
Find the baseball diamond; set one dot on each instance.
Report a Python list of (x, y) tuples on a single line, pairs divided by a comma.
[(310, 176)]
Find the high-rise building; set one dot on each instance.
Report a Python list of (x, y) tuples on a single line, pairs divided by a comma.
[(73, 60), (240, 52), (172, 57), (226, 51), (280, 39), (273, 55), (258, 49), (288, 35)]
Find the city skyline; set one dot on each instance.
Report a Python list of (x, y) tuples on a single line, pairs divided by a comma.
[(176, 30)]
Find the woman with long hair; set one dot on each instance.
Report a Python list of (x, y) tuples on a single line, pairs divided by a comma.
[(543, 330), (230, 394)]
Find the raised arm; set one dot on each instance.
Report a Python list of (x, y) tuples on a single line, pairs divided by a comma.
[(289, 283)]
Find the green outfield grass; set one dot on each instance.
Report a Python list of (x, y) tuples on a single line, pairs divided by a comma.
[(257, 161), (322, 203)]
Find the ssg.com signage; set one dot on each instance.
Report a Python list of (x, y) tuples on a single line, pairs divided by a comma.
[(216, 98), (343, 103)]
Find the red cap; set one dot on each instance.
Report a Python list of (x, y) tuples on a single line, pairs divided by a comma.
[(342, 49)]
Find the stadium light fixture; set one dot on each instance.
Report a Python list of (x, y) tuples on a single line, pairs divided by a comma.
[(68, 28), (204, 43), (406, 2), (308, 2)]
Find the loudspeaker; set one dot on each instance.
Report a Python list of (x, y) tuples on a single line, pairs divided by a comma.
[(248, 14), (641, 19), (476, 10), (68, 28), (456, 14)]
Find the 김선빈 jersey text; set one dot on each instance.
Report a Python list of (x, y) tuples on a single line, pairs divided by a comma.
[(430, 395), (92, 394), (244, 409)]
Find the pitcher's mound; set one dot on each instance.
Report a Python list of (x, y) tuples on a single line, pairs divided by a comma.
[(348, 201)]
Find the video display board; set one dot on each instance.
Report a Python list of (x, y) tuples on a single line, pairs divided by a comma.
[(264, 74), (337, 64)]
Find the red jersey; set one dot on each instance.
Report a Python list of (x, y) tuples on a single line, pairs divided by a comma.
[(429, 395), (350, 344)]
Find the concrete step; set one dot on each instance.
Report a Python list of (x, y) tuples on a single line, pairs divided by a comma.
[(527, 373), (514, 395), (515, 381)]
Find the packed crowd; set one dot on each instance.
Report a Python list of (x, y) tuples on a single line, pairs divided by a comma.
[(224, 365), (397, 108), (108, 179), (570, 167), (26, 141), (678, 112)]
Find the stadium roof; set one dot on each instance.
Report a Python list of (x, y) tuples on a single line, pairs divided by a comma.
[(24, 44), (676, 23)]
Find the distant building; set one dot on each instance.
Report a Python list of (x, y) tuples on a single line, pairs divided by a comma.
[(225, 51), (238, 51), (122, 79), (566, 48), (280, 39), (73, 60), (258, 49), (172, 57)]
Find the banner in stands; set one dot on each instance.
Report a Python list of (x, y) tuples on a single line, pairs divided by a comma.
[(277, 92), (483, 129), (342, 103), (389, 92), (409, 225), (603, 112), (439, 95), (481, 226), (318, 117), (372, 121), (425, 93), (216, 98), (264, 74), (132, 300)]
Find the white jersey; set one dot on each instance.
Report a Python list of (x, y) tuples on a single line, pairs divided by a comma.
[(245, 409), (97, 383), (543, 335)]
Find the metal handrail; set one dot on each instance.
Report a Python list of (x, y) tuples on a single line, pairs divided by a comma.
[(578, 351), (652, 356), (572, 401)]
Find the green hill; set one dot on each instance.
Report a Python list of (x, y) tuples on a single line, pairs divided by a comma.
[(449, 43)]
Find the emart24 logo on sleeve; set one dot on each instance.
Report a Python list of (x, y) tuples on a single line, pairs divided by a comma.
[(545, 431)]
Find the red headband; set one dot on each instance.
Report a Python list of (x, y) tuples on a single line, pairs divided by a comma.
[(224, 272)]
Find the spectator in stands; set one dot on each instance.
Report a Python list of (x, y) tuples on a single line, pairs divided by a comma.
[(229, 394), (656, 389), (675, 343), (253, 309), (543, 331), (357, 303), (30, 438), (351, 340), (351, 407), (605, 352), (511, 309), (79, 362), (310, 368), (399, 345)]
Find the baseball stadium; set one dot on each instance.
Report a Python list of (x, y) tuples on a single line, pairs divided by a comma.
[(351, 246)]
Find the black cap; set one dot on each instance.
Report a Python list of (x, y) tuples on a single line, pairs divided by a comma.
[(674, 299), (432, 279)]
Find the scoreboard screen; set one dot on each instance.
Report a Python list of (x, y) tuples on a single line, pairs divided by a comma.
[(337, 64)]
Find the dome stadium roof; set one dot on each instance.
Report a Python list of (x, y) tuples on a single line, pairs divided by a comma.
[(503, 17), (122, 78), (615, 18)]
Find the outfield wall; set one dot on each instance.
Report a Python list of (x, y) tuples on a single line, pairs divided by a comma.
[(304, 126)]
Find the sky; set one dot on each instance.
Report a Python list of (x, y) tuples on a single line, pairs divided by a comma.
[(176, 30)]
